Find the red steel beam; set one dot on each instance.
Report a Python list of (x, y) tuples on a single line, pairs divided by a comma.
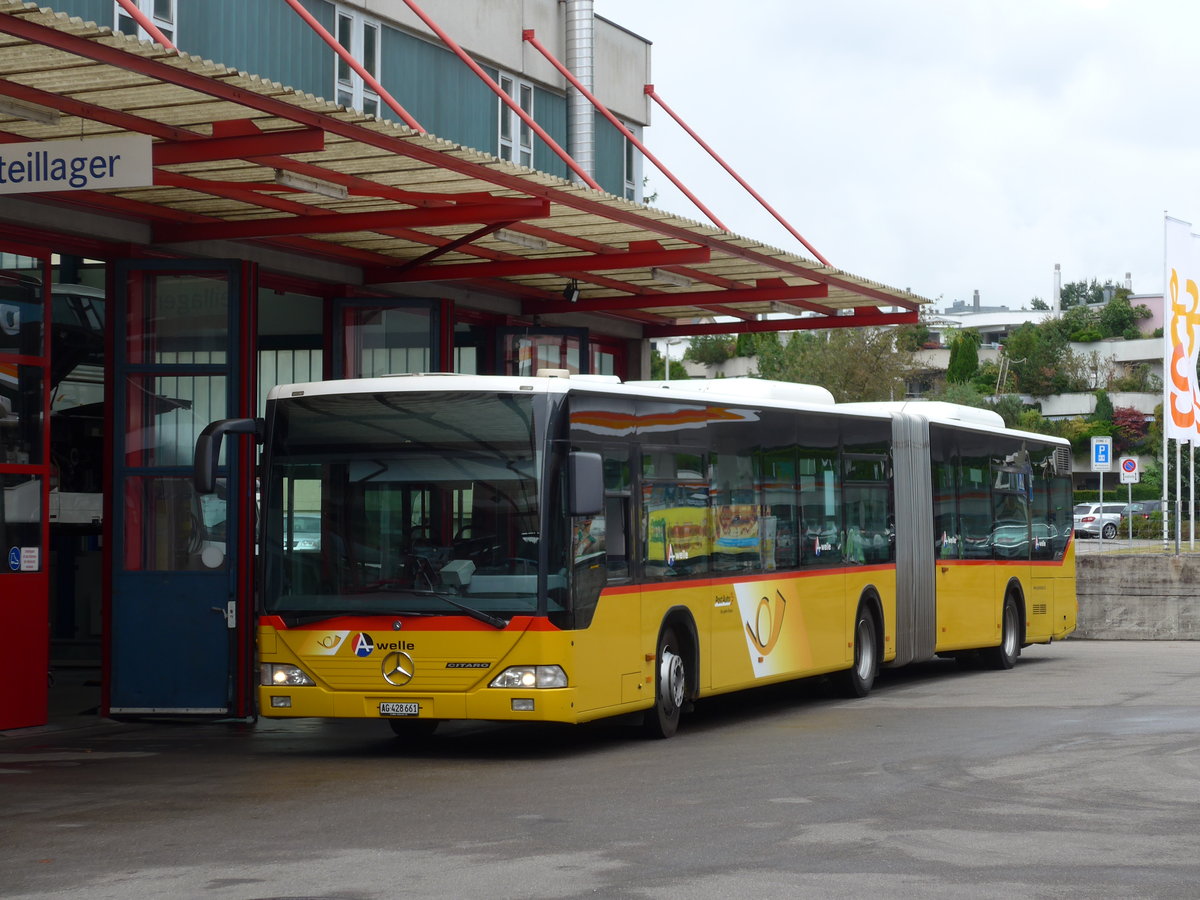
[(18, 26), (331, 223), (555, 265), (353, 63), (265, 143), (504, 98), (529, 36), (649, 89), (795, 295), (791, 324)]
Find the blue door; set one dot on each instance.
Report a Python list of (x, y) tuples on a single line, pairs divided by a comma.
[(178, 608)]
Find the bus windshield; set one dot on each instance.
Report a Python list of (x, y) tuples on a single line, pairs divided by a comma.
[(402, 503)]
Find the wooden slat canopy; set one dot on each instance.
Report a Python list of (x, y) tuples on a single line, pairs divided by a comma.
[(412, 207)]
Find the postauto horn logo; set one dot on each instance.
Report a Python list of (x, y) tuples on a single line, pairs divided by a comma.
[(363, 645)]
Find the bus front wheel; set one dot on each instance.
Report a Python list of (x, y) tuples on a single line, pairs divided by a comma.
[(1005, 656), (670, 684), (858, 680)]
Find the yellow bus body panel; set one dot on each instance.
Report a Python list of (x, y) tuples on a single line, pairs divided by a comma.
[(755, 630)]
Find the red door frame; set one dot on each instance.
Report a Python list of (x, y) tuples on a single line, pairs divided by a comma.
[(25, 668)]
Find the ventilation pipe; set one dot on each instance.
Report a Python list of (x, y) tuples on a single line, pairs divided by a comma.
[(581, 122), (1056, 300), (975, 301)]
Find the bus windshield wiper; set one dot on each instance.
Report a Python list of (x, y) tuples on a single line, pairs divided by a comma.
[(390, 584), (487, 618), (297, 618)]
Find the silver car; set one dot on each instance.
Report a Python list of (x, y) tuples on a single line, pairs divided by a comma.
[(1090, 518)]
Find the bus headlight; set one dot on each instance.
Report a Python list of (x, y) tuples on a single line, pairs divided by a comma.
[(531, 677), (282, 675)]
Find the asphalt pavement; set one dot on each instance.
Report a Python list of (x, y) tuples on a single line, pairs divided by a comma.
[(1075, 774)]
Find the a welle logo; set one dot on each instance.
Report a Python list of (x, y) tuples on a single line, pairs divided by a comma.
[(364, 646)]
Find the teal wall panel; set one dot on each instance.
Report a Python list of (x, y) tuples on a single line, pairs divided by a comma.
[(262, 37), (550, 111), (267, 38), (98, 11), (610, 157), (438, 90)]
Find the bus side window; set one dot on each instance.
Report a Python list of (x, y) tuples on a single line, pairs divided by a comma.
[(617, 493), (870, 533)]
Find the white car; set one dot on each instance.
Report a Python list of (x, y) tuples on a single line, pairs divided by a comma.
[(1090, 518)]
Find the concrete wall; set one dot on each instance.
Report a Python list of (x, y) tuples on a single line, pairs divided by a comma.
[(1138, 598)]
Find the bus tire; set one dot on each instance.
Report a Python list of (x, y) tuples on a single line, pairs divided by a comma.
[(1005, 655), (413, 729), (858, 680), (670, 687)]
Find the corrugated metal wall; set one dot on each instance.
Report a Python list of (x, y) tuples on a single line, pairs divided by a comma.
[(263, 37), (98, 11), (610, 157), (440, 92), (550, 111)]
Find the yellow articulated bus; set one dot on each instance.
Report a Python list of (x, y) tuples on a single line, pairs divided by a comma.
[(562, 549)]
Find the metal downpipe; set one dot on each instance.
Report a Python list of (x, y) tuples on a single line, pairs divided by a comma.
[(581, 121)]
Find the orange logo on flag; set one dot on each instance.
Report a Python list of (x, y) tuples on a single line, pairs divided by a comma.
[(1184, 321)]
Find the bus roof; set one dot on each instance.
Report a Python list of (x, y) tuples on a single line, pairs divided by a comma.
[(783, 394)]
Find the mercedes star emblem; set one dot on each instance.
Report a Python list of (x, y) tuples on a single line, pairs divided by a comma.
[(398, 668)]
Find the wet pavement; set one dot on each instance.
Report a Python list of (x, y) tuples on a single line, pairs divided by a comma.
[(1076, 774)]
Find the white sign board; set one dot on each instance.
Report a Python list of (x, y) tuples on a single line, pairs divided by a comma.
[(1130, 473), (1102, 459), (91, 165)]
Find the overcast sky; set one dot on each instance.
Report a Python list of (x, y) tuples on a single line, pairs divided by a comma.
[(938, 145)]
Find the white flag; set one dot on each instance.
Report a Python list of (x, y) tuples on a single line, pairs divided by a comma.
[(1181, 333)]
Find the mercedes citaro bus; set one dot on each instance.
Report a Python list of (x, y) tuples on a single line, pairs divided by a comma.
[(562, 549)]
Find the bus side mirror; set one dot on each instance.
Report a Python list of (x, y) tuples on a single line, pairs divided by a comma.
[(208, 448), (585, 477)]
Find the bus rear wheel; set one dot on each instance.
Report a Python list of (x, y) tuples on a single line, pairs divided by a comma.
[(1005, 656), (670, 688), (858, 680)]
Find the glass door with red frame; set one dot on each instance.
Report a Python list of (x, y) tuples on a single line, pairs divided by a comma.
[(25, 476)]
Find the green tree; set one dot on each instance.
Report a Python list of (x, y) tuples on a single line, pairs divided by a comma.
[(658, 372), (1119, 318), (711, 349), (964, 357), (1041, 361), (1083, 293), (962, 394), (855, 364), (912, 337), (1038, 303), (1010, 408), (1103, 413)]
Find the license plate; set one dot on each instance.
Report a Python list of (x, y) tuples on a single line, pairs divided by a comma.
[(399, 709)]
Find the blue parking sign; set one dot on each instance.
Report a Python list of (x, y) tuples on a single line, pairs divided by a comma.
[(1102, 454)]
